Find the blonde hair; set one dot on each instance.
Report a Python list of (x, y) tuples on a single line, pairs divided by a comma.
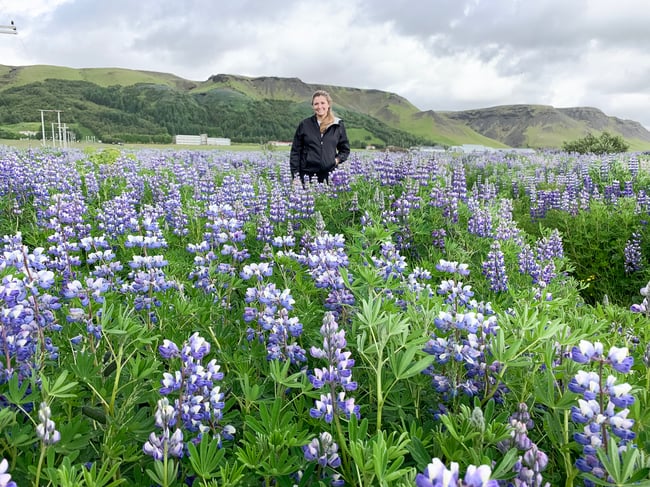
[(329, 118)]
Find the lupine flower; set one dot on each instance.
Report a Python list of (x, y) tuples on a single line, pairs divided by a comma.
[(437, 475), (632, 254), (644, 306), (453, 267), (325, 256), (618, 358), (324, 451), (269, 308), (480, 220), (391, 263), (597, 409), (5, 477), (533, 461), (165, 444), (460, 343), (438, 238), (46, 429), (494, 269), (200, 402), (336, 375)]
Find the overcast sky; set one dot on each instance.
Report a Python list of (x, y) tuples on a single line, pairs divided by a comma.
[(439, 54)]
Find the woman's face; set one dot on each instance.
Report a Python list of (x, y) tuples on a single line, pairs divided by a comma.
[(320, 106)]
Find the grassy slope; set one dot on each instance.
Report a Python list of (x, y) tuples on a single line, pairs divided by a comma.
[(22, 75), (390, 108)]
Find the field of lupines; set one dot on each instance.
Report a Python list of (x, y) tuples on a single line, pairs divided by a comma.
[(192, 318)]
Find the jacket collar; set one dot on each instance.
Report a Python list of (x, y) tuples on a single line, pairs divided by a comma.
[(336, 121)]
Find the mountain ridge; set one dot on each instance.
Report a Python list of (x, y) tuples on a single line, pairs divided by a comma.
[(517, 125)]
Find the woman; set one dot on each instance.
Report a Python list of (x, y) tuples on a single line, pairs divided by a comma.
[(320, 143)]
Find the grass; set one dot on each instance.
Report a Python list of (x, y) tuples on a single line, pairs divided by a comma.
[(28, 144), (24, 75)]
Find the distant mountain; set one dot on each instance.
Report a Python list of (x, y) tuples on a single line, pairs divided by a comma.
[(122, 104), (546, 126)]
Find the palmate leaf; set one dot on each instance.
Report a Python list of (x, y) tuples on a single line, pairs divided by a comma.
[(624, 468), (60, 388), (17, 392), (163, 476), (103, 476), (404, 365), (207, 458)]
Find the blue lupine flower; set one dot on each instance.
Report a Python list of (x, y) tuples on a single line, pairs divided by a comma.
[(437, 475), (200, 402), (323, 450), (5, 477), (632, 254), (597, 409), (494, 268), (337, 374), (165, 444), (453, 267)]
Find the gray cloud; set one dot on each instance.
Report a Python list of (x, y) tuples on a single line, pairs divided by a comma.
[(441, 55)]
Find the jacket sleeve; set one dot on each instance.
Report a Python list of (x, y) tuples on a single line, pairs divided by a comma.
[(343, 146), (296, 151)]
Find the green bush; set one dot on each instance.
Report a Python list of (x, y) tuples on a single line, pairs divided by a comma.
[(606, 143)]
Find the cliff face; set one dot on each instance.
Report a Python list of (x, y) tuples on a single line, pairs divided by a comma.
[(599, 121), (544, 126)]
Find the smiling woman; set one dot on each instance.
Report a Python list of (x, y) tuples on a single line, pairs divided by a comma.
[(320, 143)]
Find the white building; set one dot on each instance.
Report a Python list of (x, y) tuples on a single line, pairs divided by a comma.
[(202, 139)]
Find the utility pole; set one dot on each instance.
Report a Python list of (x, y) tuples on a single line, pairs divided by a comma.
[(8, 29), (59, 131)]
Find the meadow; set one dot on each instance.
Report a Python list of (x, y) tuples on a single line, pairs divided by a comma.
[(178, 317)]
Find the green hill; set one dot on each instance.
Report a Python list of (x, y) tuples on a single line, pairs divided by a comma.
[(114, 104)]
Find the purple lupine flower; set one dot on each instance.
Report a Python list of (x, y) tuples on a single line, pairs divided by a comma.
[(644, 306), (391, 263), (618, 358), (325, 256), (269, 308), (494, 269), (5, 477), (457, 294), (438, 238), (336, 375), (532, 461), (480, 220), (169, 349), (453, 267), (167, 443), (632, 254), (598, 409), (462, 339), (199, 402), (437, 475), (323, 450), (586, 351)]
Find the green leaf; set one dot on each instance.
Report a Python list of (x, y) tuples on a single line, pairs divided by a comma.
[(7, 418), (419, 453), (205, 459), (17, 393), (503, 469), (60, 388)]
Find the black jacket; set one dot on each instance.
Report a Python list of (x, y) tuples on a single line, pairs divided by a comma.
[(312, 153)]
